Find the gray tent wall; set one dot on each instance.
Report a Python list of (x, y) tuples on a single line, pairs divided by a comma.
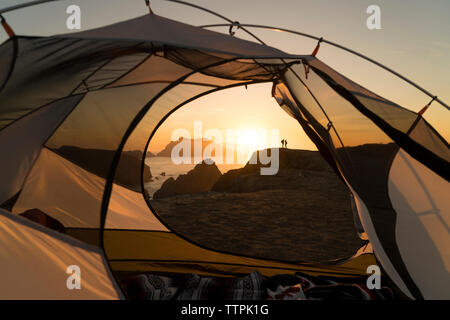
[(374, 143), (35, 261), (397, 196)]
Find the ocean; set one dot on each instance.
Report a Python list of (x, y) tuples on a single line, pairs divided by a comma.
[(162, 168)]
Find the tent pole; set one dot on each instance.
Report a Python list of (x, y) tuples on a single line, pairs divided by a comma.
[(217, 15), (25, 5), (243, 25)]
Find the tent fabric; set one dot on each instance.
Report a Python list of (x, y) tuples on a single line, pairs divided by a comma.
[(7, 60), (35, 261), (32, 131), (42, 62), (78, 203), (420, 198), (424, 134), (169, 250), (381, 254), (364, 149), (395, 121), (157, 29), (84, 103)]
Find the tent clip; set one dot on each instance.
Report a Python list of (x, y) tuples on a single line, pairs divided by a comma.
[(421, 112), (329, 126), (234, 24), (316, 49), (306, 67), (7, 28), (85, 85), (147, 3)]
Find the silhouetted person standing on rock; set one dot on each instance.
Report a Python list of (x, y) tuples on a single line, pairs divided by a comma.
[(285, 144), (282, 143)]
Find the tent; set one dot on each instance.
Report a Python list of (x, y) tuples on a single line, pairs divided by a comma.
[(110, 88)]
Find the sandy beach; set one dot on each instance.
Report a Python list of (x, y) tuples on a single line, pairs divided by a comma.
[(281, 220)]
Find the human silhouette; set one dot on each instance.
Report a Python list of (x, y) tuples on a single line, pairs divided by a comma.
[(282, 143), (285, 143)]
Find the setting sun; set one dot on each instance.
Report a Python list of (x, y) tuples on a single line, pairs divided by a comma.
[(250, 137)]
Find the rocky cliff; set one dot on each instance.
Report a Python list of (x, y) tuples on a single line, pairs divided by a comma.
[(200, 179)]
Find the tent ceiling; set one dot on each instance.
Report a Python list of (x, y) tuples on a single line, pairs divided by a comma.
[(156, 29)]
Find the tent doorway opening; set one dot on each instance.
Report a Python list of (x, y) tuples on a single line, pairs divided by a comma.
[(302, 209)]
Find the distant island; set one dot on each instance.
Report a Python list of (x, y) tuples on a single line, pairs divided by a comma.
[(224, 147), (167, 151)]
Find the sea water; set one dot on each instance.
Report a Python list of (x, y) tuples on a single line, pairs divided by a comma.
[(162, 168)]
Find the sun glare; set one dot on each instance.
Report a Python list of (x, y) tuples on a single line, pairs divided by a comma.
[(250, 138)]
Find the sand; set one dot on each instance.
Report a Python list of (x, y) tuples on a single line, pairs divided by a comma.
[(278, 224)]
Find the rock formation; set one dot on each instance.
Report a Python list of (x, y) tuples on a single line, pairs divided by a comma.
[(200, 179)]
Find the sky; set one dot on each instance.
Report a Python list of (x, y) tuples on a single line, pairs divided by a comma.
[(414, 40)]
